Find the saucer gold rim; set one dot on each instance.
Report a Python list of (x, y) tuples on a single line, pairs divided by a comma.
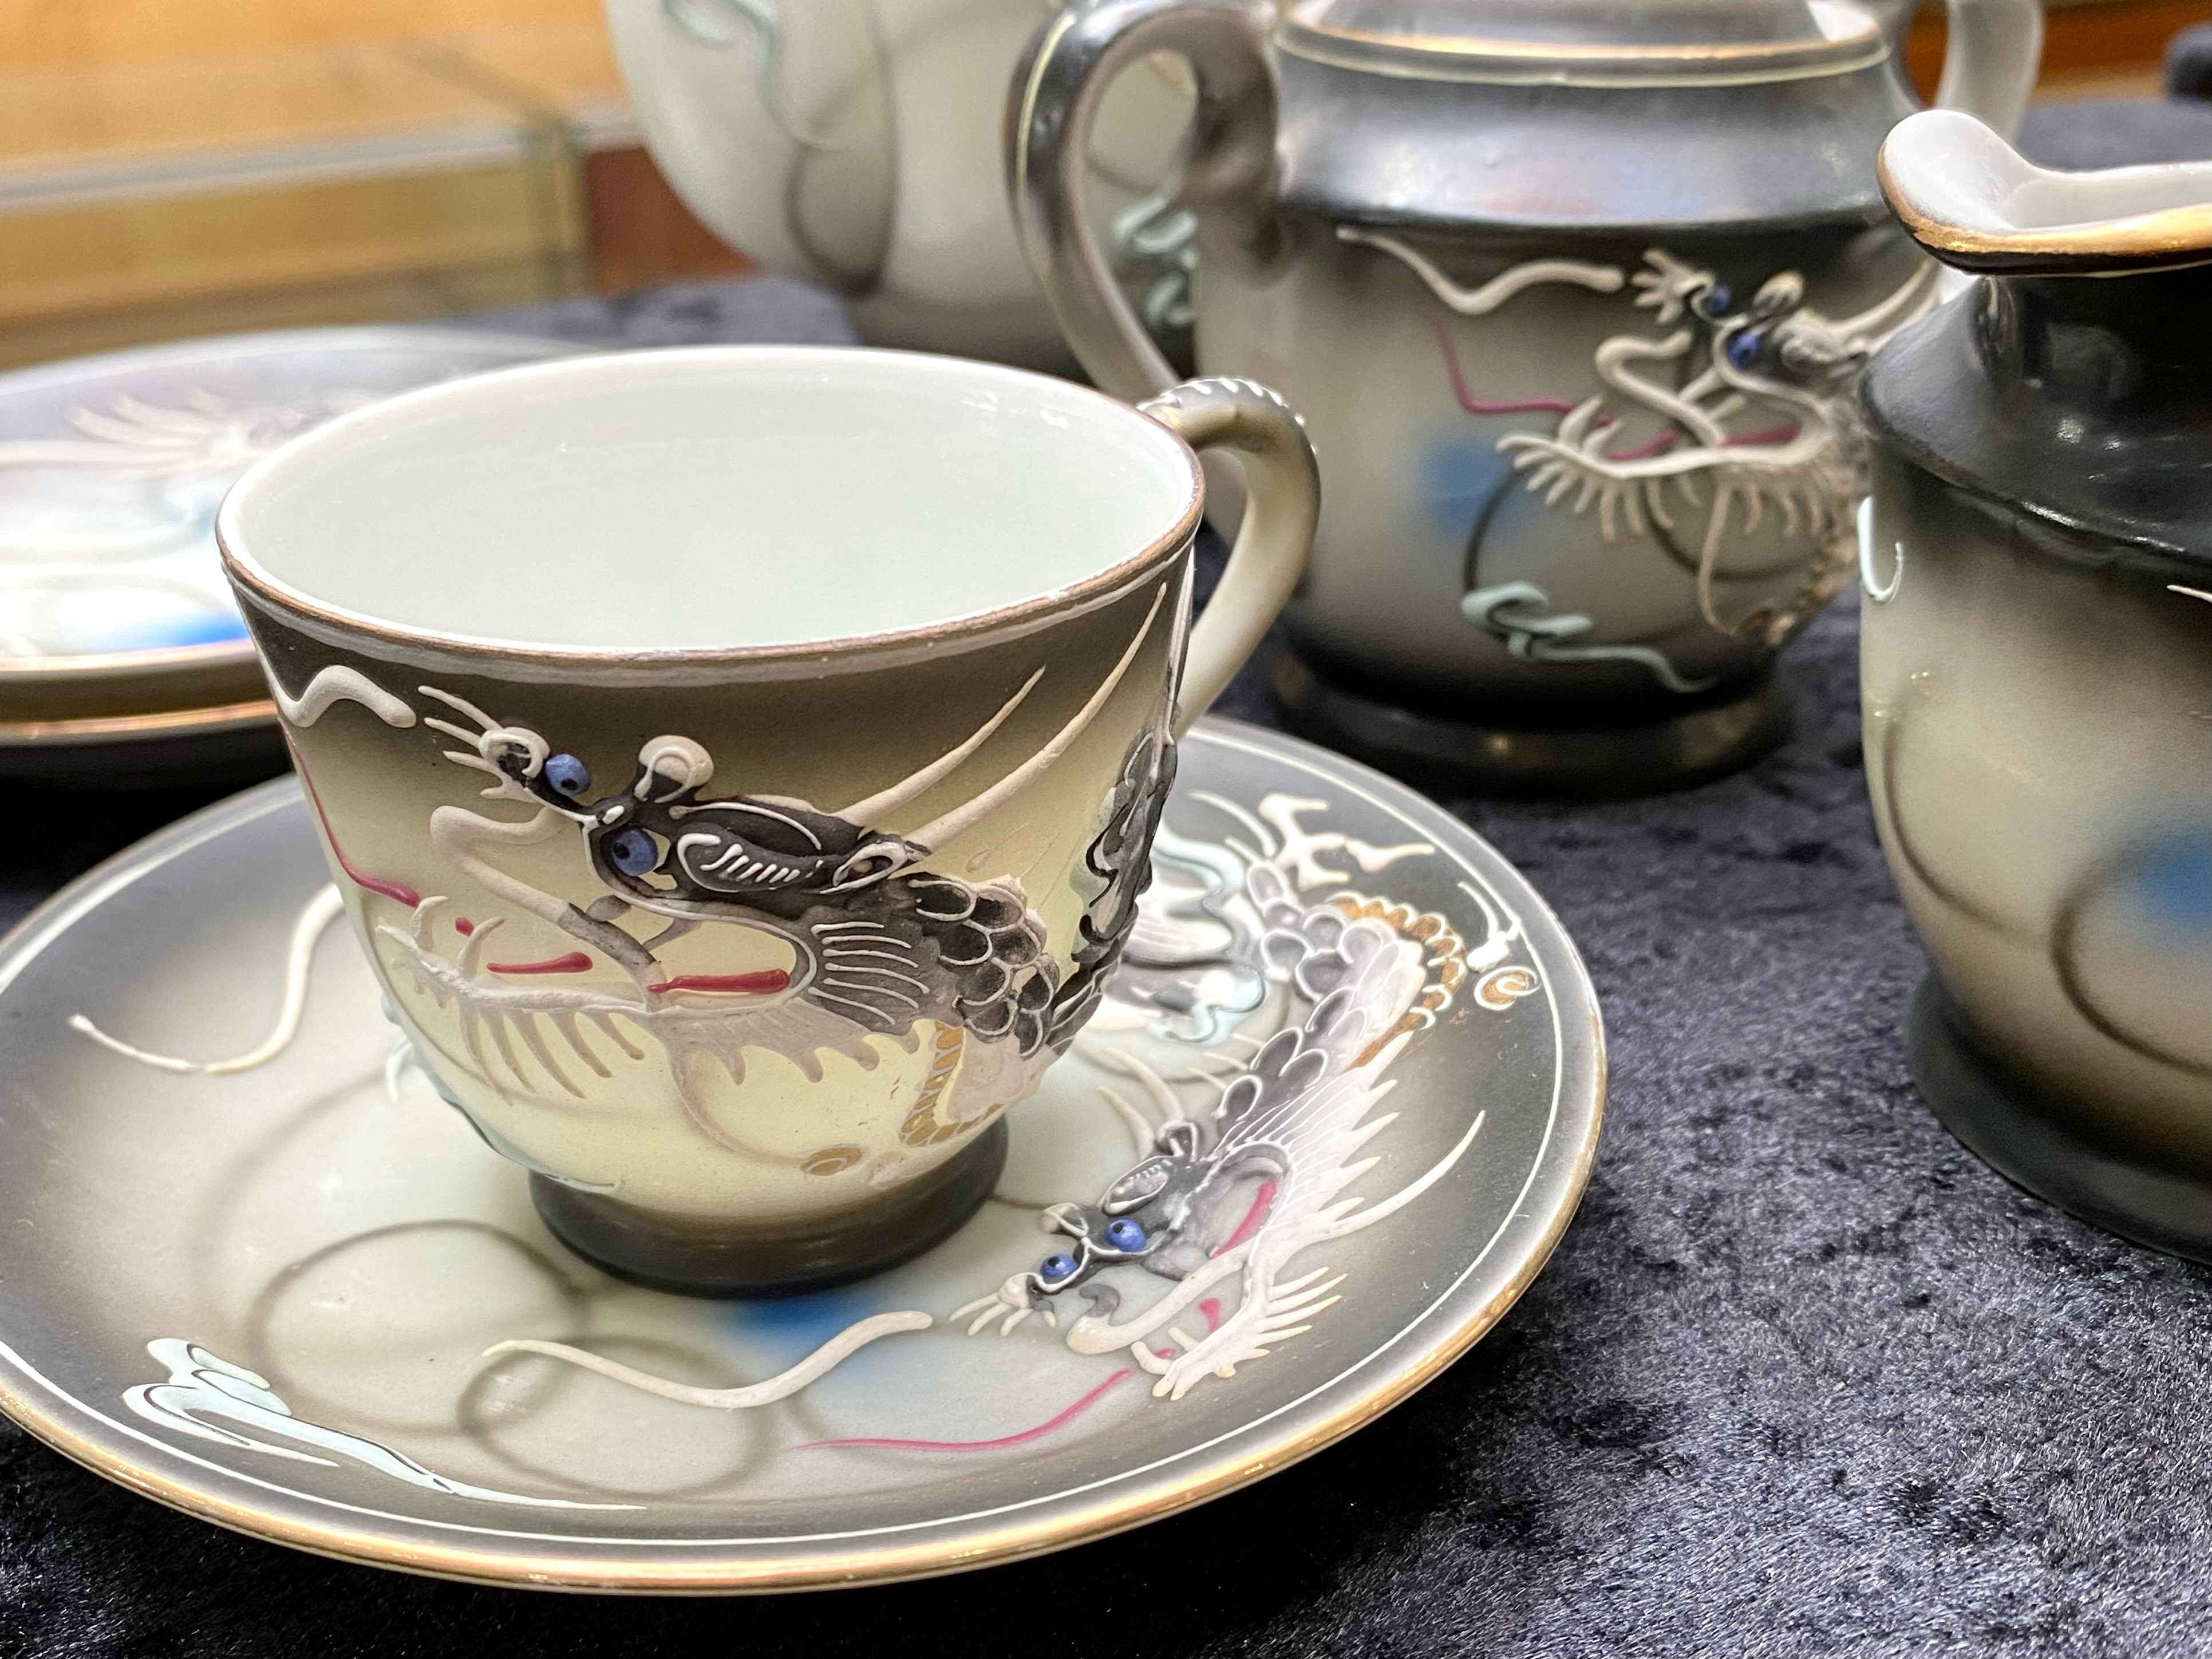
[(131, 728), (16, 671)]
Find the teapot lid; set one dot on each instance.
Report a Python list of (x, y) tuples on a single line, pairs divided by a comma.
[(1604, 42), (1585, 115)]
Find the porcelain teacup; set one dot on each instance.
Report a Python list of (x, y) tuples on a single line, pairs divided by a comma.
[(741, 763)]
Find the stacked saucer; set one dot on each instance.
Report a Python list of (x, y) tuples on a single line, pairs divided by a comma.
[(122, 659)]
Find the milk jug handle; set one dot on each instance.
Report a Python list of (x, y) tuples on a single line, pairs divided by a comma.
[(1989, 64), (1226, 177)]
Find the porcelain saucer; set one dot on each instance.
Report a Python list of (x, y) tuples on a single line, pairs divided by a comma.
[(122, 659), (255, 1265)]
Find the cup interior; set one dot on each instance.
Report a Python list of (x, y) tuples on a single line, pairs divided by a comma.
[(716, 498)]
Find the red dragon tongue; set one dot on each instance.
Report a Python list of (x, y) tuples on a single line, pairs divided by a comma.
[(763, 982), (574, 963)]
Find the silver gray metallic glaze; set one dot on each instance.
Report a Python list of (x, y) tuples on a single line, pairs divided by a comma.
[(1684, 200)]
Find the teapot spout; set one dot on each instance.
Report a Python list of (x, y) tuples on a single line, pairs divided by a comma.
[(1978, 204)]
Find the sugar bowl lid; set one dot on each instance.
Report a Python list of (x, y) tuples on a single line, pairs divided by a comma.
[(1599, 42), (1608, 116)]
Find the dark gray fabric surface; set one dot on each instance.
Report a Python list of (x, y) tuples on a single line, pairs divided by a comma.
[(1804, 1377), (2103, 132), (760, 308), (2189, 63)]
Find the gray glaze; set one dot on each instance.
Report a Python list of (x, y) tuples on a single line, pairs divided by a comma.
[(2087, 404), (1780, 125), (1572, 298)]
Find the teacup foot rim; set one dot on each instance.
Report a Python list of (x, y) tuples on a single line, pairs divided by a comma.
[(2032, 1143), (687, 1257), (1441, 754)]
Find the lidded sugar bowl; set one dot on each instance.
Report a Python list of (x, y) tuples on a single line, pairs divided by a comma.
[(1572, 295), (2036, 671)]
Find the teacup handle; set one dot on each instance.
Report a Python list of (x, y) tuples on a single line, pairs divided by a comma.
[(1282, 502), (1990, 64), (1227, 176)]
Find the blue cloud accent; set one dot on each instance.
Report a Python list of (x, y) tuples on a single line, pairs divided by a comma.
[(2174, 885), (1456, 479), (805, 1322), (203, 629)]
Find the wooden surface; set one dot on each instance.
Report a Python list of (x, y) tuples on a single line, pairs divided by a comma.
[(58, 122), (351, 250), (354, 179), (641, 234), (78, 33), (2090, 47)]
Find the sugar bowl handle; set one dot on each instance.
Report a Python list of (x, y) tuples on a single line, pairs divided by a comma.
[(1988, 66), (1282, 503), (1227, 175)]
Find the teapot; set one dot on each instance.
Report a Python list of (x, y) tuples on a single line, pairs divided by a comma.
[(1572, 295), (2036, 667), (855, 143)]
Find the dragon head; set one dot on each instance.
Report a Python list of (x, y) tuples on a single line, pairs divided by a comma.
[(656, 844), (1777, 340), (1146, 1216)]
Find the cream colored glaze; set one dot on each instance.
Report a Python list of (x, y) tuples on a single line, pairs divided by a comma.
[(2033, 724), (688, 1025)]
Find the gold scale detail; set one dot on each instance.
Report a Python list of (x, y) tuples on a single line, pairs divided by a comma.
[(1447, 959), (922, 1127)]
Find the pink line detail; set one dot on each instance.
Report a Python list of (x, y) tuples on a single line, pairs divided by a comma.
[(1467, 400), (1060, 1420), (1658, 445), (574, 963), (1771, 435), (1262, 1200), (766, 980), (391, 890), (463, 926)]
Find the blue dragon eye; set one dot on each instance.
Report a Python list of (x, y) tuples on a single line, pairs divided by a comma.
[(632, 852), (1125, 1235), (1056, 1268), (567, 775), (1743, 349), (1717, 301)]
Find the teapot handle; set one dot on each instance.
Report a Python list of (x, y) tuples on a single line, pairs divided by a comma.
[(1227, 175), (1989, 67)]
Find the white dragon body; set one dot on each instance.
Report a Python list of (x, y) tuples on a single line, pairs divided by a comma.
[(1775, 359), (1294, 1121)]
